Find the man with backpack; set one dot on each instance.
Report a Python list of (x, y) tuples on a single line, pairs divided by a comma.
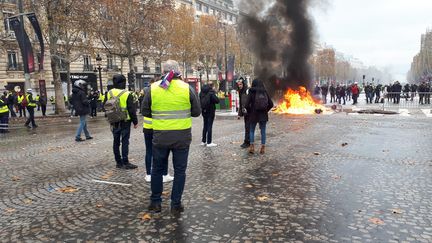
[(208, 100), (120, 111), (82, 108)]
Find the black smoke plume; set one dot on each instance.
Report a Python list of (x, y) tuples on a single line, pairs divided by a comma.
[(279, 33)]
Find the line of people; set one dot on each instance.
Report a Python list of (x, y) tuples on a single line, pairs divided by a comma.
[(338, 94)]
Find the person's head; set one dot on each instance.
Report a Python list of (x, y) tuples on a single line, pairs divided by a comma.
[(256, 83), (119, 81), (152, 81), (29, 91), (170, 65)]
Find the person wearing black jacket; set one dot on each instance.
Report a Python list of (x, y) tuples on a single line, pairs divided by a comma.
[(243, 91), (256, 114), (82, 109), (121, 130), (31, 105), (94, 96), (208, 112)]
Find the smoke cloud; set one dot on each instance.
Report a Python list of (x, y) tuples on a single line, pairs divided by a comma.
[(279, 33)]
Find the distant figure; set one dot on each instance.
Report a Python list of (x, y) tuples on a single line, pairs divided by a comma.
[(324, 92), (355, 93), (43, 103), (82, 109), (31, 105), (4, 115), (208, 101), (243, 91), (258, 106)]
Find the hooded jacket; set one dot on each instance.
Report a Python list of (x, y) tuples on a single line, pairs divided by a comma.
[(207, 90), (254, 115), (243, 95), (80, 101)]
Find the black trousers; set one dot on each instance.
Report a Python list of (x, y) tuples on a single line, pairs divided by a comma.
[(121, 134), (12, 112), (247, 129), (43, 107), (31, 117), (21, 111), (93, 111), (4, 122)]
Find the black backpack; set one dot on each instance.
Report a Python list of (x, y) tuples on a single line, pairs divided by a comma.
[(205, 102), (261, 101)]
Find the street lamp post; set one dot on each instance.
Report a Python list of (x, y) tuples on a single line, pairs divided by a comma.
[(99, 63), (226, 60)]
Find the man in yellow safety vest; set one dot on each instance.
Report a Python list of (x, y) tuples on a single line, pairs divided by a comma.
[(31, 105), (171, 103)]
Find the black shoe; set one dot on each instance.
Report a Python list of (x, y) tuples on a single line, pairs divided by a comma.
[(129, 166), (28, 126), (90, 137), (155, 208), (244, 145), (79, 140), (35, 126), (177, 210), (119, 166)]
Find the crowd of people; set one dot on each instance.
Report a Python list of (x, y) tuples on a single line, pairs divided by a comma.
[(393, 92)]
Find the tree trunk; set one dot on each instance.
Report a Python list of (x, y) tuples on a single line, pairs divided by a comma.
[(68, 78), (55, 62), (131, 76)]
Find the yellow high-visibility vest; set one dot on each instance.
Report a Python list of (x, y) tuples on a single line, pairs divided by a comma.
[(3, 109), (171, 108), (30, 104), (123, 99)]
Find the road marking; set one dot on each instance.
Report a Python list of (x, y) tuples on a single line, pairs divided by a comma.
[(112, 183), (427, 112)]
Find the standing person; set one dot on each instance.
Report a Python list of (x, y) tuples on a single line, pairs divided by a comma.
[(258, 106), (208, 100), (31, 105), (81, 106), (4, 115), (355, 93), (52, 101), (94, 96), (397, 89), (427, 94), (348, 92), (37, 102), (22, 103), (243, 91), (170, 103), (43, 103), (11, 102), (324, 92), (148, 140), (121, 130), (378, 93), (332, 90)]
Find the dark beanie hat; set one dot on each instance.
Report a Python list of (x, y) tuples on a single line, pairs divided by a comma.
[(119, 81)]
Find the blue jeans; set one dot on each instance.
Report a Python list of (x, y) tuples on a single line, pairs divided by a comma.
[(262, 126), (82, 126), (121, 134), (160, 165), (207, 129), (148, 140)]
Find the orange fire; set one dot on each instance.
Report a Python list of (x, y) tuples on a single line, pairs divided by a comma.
[(298, 102)]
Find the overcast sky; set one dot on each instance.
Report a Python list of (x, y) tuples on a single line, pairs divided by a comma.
[(383, 33)]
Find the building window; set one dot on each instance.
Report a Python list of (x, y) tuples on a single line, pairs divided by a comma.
[(146, 67), (199, 7), (158, 67), (234, 19), (212, 11), (206, 9), (230, 17), (110, 62), (7, 26), (87, 63), (224, 16), (12, 60)]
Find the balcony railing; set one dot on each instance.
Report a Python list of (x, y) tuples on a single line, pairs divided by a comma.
[(15, 67)]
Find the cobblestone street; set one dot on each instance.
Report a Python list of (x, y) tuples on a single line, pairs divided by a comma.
[(324, 178)]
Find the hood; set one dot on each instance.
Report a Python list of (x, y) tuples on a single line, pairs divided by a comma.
[(76, 89), (119, 81), (205, 89), (257, 86)]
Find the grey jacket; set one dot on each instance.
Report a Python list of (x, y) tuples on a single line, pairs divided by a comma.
[(175, 139)]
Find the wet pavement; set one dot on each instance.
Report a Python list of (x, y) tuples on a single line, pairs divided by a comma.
[(325, 178)]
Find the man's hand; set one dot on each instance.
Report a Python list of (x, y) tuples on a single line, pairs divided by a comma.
[(135, 126)]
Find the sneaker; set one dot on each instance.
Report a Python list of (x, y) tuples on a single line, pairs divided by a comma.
[(177, 210), (89, 137), (148, 178), (211, 145), (28, 126), (154, 208), (167, 178), (203, 144), (79, 140)]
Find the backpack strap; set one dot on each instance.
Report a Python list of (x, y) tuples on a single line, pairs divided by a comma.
[(121, 93), (110, 93)]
